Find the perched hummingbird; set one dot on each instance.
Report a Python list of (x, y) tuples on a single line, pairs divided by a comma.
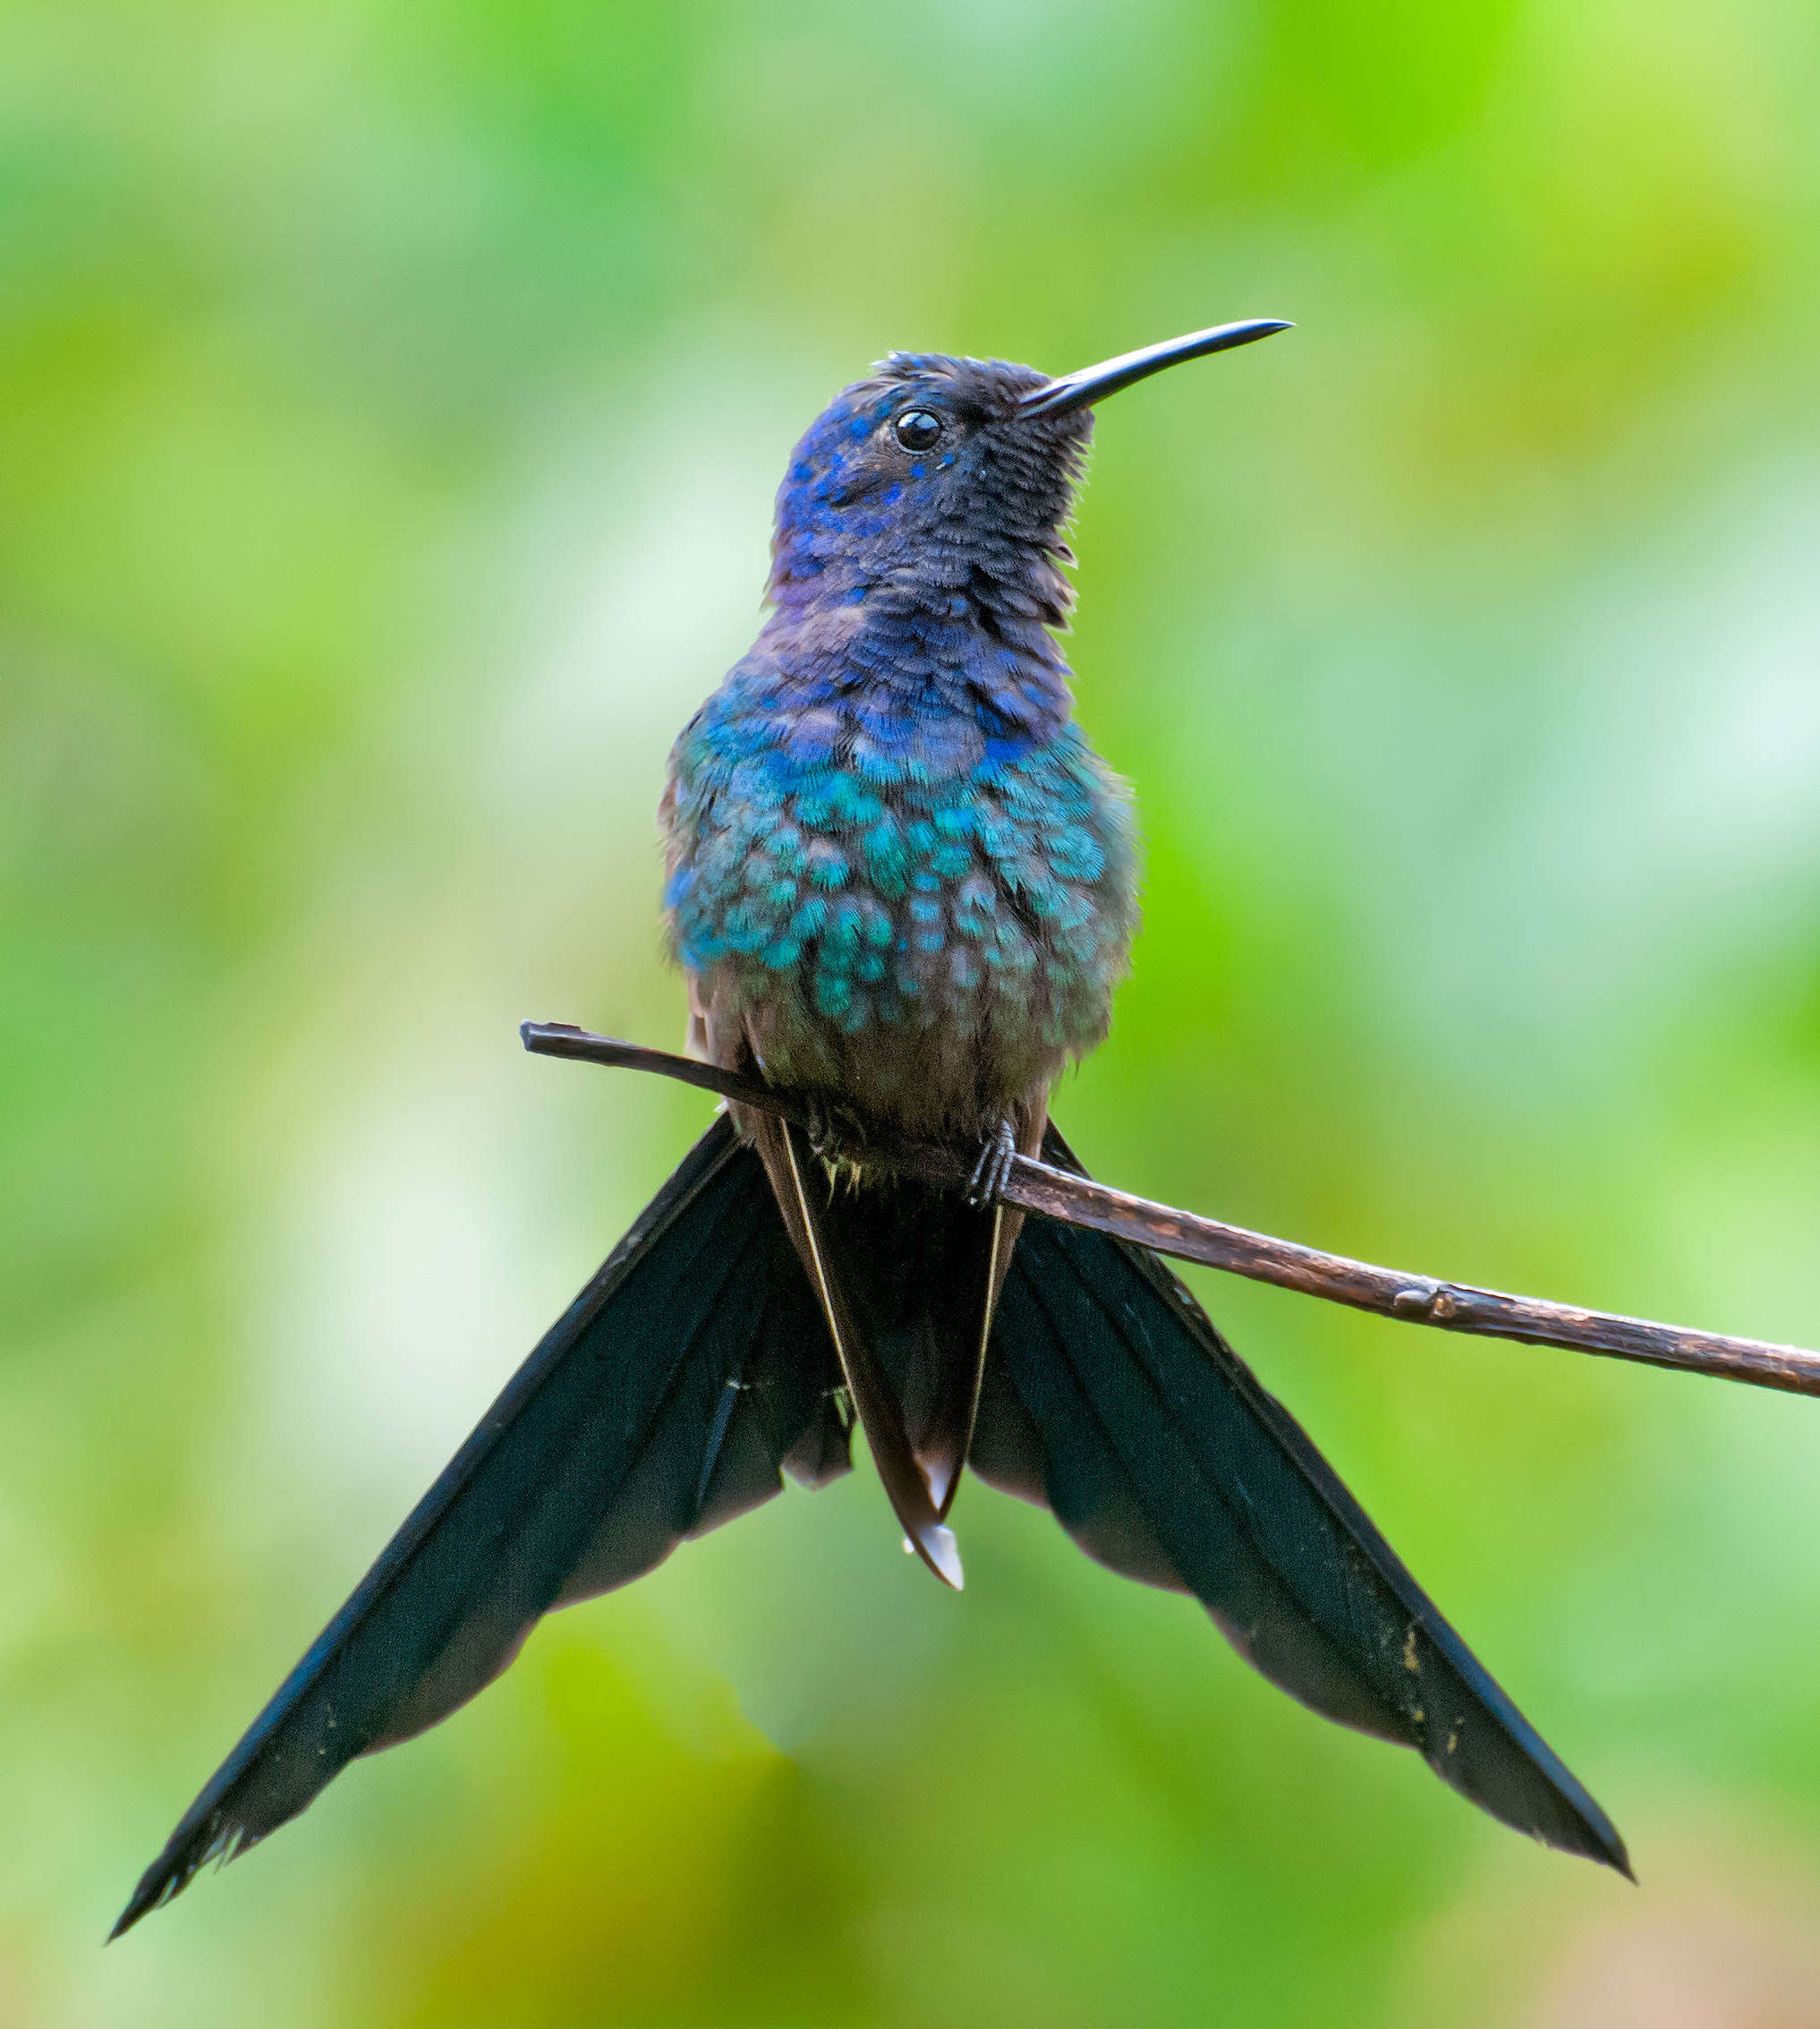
[(901, 884)]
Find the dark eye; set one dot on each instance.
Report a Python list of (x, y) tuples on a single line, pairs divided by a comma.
[(917, 430)]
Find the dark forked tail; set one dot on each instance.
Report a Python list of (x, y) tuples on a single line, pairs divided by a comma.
[(664, 1402), (697, 1364), (1110, 1399)]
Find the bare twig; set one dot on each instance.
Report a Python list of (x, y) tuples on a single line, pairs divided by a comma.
[(1418, 1300)]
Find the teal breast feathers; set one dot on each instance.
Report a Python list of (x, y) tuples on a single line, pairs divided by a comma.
[(991, 907)]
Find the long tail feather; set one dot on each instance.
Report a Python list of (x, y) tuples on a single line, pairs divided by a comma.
[(846, 1268), (1110, 1397), (693, 1366)]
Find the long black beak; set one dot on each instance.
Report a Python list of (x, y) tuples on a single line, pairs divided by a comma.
[(1095, 383)]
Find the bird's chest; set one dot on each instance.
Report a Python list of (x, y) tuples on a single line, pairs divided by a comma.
[(832, 891)]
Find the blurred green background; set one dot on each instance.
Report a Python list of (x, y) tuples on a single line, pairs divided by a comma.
[(391, 400)]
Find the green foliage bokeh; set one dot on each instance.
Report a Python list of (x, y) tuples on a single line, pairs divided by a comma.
[(391, 398)]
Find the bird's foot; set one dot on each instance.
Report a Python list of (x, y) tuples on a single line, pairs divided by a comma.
[(835, 1133), (992, 1171)]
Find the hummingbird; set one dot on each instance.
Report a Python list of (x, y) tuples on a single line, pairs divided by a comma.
[(900, 882)]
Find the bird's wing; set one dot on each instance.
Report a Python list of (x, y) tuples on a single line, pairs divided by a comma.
[(664, 1402), (1110, 1397)]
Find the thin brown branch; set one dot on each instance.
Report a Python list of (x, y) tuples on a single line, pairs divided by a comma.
[(1051, 1193)]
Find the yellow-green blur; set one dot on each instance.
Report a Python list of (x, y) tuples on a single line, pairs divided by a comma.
[(392, 396)]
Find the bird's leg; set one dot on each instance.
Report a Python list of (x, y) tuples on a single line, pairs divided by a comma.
[(992, 1171)]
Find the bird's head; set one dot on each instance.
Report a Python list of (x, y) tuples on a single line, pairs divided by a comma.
[(944, 485)]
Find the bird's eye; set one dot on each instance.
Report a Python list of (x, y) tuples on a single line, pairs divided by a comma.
[(917, 430)]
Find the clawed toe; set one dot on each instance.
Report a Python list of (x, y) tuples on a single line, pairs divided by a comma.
[(992, 1171), (834, 1134)]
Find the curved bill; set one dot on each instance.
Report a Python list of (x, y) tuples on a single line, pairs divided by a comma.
[(1095, 383)]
